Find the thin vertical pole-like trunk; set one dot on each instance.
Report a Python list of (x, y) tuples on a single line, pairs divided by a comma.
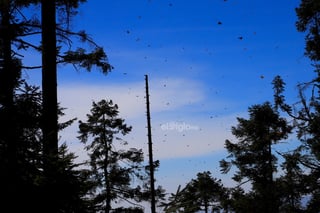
[(274, 205), (153, 201), (206, 207), (106, 165), (107, 182), (271, 199)]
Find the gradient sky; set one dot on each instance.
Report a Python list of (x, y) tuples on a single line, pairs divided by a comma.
[(207, 62)]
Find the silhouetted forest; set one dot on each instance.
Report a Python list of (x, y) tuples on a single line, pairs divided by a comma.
[(39, 175)]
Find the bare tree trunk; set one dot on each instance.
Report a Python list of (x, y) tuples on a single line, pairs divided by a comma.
[(50, 105), (9, 74), (106, 173), (49, 78), (273, 208), (151, 166)]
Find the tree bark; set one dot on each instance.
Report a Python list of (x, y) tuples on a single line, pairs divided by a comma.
[(106, 167), (49, 105), (9, 73), (49, 78)]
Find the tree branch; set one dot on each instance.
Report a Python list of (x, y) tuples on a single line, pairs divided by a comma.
[(31, 67)]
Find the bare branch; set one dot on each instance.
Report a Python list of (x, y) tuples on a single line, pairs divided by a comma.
[(80, 34), (31, 67), (32, 33), (132, 203), (28, 44)]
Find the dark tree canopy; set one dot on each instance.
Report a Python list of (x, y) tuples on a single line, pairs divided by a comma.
[(309, 21), (203, 193), (112, 168), (302, 165), (23, 138), (37, 175), (253, 156)]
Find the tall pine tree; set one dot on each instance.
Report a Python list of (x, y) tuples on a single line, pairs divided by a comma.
[(253, 156), (112, 168)]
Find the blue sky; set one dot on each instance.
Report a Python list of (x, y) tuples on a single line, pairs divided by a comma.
[(207, 61)]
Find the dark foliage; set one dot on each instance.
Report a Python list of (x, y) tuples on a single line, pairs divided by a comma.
[(253, 155), (309, 21), (113, 168), (204, 193)]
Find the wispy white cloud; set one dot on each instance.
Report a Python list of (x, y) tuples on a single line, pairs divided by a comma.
[(166, 94), (191, 135), (188, 138)]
